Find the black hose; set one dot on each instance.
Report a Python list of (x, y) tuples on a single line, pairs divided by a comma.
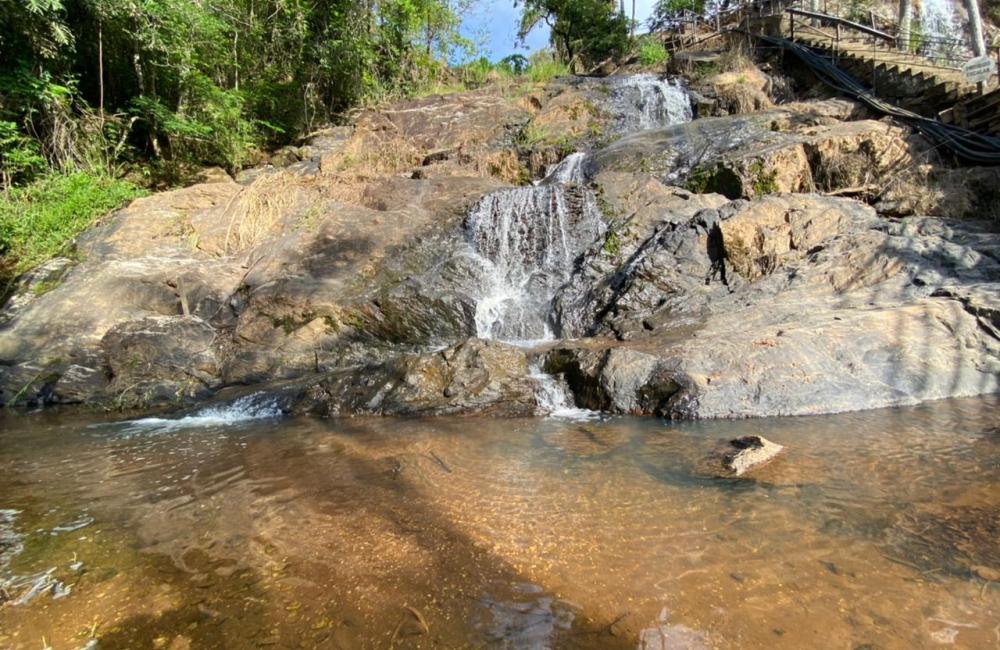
[(968, 146)]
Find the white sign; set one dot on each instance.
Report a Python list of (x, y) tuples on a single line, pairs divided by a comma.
[(979, 69)]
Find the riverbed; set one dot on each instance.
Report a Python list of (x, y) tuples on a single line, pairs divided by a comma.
[(240, 528)]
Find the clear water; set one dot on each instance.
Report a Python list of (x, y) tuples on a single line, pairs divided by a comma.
[(877, 529)]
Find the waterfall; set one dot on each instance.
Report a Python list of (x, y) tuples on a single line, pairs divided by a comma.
[(555, 398), (942, 28), (645, 101), (528, 239), (572, 169)]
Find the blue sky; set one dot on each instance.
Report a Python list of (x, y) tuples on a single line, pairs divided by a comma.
[(494, 23)]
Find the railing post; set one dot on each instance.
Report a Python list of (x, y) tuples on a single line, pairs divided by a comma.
[(836, 47)]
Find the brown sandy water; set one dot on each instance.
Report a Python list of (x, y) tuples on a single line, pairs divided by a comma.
[(873, 530)]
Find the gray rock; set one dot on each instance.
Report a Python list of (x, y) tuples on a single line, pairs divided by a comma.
[(807, 305), (475, 377)]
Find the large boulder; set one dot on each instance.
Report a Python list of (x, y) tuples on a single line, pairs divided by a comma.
[(787, 149), (793, 304)]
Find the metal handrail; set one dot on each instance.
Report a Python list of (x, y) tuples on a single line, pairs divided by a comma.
[(837, 20)]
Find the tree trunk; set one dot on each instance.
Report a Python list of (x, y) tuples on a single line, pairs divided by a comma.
[(236, 59), (976, 28), (905, 18), (632, 24)]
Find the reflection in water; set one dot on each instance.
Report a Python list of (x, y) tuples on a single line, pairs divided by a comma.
[(874, 529)]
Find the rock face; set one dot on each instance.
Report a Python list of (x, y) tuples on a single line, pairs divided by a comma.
[(472, 378), (160, 359), (714, 275), (792, 304)]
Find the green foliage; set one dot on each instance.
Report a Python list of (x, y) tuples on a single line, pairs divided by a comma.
[(37, 221), (516, 64), (588, 31), (992, 8), (666, 12), (194, 83), (858, 10), (19, 156), (764, 182), (652, 52), (544, 67), (613, 244)]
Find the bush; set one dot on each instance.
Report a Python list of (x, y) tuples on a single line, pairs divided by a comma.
[(652, 52), (37, 221)]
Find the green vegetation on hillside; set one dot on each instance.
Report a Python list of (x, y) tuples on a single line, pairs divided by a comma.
[(38, 220), (180, 82)]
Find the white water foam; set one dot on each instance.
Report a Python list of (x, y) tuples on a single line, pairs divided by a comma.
[(571, 169), (258, 406), (528, 239), (939, 19), (554, 397)]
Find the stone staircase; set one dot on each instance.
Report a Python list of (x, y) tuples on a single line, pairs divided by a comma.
[(907, 80)]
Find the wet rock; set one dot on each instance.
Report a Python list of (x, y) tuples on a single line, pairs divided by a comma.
[(740, 455), (760, 153), (161, 359), (79, 383), (475, 377), (617, 380)]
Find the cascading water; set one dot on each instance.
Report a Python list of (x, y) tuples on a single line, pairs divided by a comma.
[(528, 238), (554, 396), (645, 101), (257, 406), (942, 28), (572, 169)]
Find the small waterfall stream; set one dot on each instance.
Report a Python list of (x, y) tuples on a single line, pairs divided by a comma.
[(528, 238), (645, 101), (942, 28)]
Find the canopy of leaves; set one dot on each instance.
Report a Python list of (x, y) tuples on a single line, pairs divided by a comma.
[(203, 81), (584, 31)]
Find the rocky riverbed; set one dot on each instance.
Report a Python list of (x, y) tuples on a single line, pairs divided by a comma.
[(798, 258)]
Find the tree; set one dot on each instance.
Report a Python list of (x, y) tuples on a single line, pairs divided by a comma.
[(206, 81), (588, 31), (667, 12)]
